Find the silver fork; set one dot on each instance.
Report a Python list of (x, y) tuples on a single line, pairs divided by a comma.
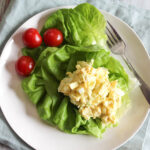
[(118, 46)]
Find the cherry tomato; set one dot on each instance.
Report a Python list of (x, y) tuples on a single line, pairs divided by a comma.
[(24, 65), (32, 38), (53, 37)]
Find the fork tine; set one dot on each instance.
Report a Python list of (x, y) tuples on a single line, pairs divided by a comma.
[(109, 45), (110, 40), (111, 34), (117, 35)]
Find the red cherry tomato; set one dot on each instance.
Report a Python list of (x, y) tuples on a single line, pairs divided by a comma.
[(24, 65), (53, 37), (32, 38)]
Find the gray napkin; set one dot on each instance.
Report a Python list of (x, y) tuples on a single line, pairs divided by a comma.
[(20, 10)]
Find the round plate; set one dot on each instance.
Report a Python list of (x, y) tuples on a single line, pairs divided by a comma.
[(22, 116)]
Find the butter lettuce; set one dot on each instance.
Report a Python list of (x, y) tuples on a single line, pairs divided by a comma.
[(54, 107), (84, 25), (84, 39)]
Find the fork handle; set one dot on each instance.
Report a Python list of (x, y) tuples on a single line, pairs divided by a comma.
[(144, 87)]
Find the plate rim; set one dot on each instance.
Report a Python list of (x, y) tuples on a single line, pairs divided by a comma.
[(56, 8)]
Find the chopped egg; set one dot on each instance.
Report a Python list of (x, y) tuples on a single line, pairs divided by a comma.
[(91, 91), (81, 90), (73, 85)]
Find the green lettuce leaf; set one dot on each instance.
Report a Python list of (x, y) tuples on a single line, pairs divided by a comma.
[(84, 25), (55, 108), (33, 52)]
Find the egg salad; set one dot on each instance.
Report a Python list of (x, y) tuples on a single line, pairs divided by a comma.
[(91, 91)]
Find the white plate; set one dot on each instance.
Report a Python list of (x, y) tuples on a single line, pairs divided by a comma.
[(22, 116)]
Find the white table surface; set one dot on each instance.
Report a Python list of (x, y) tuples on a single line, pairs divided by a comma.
[(145, 4)]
